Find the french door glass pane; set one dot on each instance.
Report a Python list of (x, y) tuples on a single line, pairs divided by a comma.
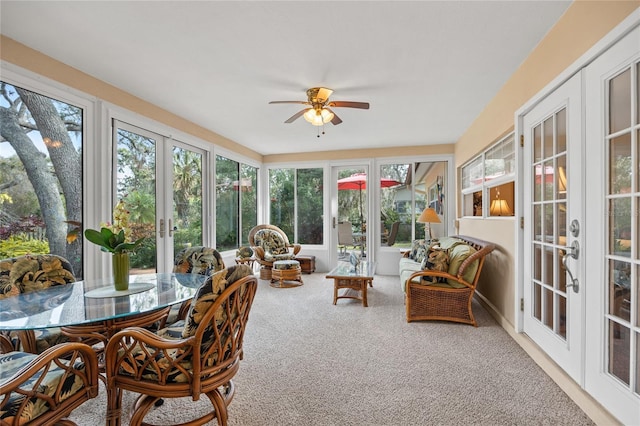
[(136, 185), (187, 199), (282, 200), (550, 217), (620, 102)]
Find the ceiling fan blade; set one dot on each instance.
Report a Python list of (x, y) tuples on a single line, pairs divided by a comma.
[(335, 120), (349, 104), (297, 115), (323, 94), (290, 102)]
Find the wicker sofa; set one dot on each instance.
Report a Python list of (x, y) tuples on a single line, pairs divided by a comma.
[(444, 292)]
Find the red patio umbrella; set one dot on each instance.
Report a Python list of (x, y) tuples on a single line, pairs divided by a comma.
[(358, 181)]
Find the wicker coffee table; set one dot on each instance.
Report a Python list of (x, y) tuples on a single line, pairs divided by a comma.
[(354, 280)]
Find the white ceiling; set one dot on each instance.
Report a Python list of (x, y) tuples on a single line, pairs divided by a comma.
[(428, 68)]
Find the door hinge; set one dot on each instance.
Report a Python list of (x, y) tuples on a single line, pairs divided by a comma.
[(522, 140), (521, 222), (522, 304)]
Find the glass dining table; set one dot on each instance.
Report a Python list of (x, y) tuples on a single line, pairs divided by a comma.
[(93, 309)]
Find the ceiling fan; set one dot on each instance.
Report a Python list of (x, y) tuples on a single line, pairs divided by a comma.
[(319, 107)]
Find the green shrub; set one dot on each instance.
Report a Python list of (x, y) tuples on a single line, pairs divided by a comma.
[(19, 245)]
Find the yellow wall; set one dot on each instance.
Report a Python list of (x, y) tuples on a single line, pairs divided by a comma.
[(582, 25)]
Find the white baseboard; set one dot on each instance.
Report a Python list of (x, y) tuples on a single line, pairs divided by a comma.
[(590, 406)]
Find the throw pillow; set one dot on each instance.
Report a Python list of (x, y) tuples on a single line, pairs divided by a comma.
[(436, 259), (459, 253)]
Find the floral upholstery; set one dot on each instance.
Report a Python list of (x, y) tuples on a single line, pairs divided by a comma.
[(269, 244), (244, 252), (30, 273), (67, 377), (193, 260), (273, 244), (418, 250), (198, 260), (201, 302), (286, 264)]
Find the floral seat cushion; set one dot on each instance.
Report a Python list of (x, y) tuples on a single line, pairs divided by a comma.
[(14, 361), (274, 246), (28, 274), (198, 260), (202, 300)]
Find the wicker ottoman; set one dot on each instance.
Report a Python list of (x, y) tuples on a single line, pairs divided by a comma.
[(286, 270)]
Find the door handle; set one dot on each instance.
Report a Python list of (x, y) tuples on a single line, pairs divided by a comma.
[(573, 251), (172, 229)]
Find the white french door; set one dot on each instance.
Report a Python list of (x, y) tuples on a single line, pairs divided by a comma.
[(554, 226), (612, 120), (162, 182)]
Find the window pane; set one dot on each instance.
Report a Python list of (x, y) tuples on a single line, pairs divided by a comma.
[(249, 200), (281, 196), (620, 170), (472, 173), (500, 160), (40, 176), (390, 197), (309, 201), (136, 187), (187, 199), (502, 200), (620, 102), (227, 203)]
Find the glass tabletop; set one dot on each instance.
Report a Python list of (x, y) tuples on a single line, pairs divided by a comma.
[(67, 304), (365, 269)]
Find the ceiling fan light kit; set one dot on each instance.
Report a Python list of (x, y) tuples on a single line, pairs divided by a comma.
[(318, 112)]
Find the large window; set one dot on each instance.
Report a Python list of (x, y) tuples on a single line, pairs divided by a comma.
[(406, 189), (236, 202), (40, 175), (298, 191), (488, 181)]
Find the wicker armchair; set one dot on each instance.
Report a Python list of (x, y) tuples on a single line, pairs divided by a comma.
[(44, 389), (450, 300), (270, 243), (199, 355), (30, 273)]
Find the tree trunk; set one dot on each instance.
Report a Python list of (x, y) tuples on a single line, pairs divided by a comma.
[(66, 161), (44, 183)]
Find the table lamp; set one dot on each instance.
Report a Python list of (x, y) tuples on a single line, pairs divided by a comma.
[(429, 216), (499, 207)]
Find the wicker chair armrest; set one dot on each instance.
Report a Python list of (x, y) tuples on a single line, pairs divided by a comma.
[(479, 254), (406, 253), (430, 273), (5, 343), (296, 248), (129, 344), (68, 357), (259, 252)]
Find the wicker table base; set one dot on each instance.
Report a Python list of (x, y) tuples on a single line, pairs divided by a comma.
[(279, 276)]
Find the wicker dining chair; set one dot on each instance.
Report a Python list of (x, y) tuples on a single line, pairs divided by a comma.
[(28, 274), (43, 389), (192, 260), (199, 355)]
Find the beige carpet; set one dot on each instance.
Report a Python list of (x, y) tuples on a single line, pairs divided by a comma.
[(308, 362)]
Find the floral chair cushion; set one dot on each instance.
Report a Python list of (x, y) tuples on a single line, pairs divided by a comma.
[(273, 244), (418, 250), (202, 300), (14, 361), (198, 260), (28, 274)]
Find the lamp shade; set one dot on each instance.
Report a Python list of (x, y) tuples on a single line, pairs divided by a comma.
[(429, 215), (499, 208)]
